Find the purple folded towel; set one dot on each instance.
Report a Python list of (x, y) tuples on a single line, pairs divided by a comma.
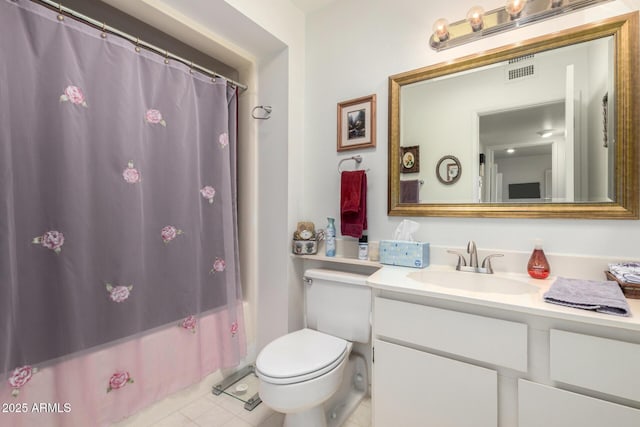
[(601, 296), (410, 191)]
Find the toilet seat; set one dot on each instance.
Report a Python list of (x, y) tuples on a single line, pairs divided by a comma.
[(300, 356)]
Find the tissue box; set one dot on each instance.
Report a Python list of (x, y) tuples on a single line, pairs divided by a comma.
[(408, 254)]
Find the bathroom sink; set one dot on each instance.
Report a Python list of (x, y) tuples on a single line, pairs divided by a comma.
[(473, 282)]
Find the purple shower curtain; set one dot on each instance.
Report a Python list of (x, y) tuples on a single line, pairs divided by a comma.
[(118, 235)]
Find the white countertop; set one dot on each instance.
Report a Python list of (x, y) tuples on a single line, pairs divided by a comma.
[(397, 279)]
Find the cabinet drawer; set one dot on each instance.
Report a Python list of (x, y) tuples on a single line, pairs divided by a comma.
[(485, 339), (540, 405), (599, 364)]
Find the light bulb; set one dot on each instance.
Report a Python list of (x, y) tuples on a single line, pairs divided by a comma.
[(441, 29), (514, 8), (475, 17)]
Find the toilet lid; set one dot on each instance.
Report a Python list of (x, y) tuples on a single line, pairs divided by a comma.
[(299, 354)]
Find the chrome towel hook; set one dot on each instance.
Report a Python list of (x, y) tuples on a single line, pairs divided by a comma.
[(266, 112)]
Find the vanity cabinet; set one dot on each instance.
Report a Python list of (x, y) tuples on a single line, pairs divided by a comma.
[(417, 379), (443, 363)]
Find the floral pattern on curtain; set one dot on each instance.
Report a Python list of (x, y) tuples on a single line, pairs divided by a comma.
[(117, 199)]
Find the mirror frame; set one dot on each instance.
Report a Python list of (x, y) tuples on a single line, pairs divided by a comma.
[(624, 28)]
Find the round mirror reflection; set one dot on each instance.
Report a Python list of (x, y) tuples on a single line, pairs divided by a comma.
[(448, 170)]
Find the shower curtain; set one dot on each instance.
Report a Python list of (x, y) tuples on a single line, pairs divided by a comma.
[(119, 278)]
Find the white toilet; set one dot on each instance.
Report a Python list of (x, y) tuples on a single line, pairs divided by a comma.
[(302, 370)]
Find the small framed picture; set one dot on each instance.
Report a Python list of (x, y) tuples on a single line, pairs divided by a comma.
[(357, 123), (452, 171), (410, 158)]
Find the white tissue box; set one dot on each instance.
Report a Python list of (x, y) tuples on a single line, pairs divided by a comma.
[(408, 254)]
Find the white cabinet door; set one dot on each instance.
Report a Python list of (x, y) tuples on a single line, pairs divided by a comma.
[(414, 388), (540, 405)]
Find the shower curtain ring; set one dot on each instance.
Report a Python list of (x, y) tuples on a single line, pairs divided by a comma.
[(137, 44), (60, 14), (191, 67), (104, 31), (166, 56)]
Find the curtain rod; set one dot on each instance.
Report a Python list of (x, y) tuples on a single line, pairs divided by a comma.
[(135, 40)]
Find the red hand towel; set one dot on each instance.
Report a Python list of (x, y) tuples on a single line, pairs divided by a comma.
[(353, 203)]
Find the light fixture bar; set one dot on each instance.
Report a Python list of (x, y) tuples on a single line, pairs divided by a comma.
[(498, 20)]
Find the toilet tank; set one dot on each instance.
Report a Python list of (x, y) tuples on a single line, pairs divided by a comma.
[(339, 304)]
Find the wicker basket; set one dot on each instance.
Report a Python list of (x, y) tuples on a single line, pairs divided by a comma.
[(630, 290)]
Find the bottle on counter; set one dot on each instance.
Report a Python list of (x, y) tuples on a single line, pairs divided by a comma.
[(538, 266), (330, 238), (363, 248)]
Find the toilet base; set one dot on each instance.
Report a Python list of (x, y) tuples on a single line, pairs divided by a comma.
[(335, 411), (354, 387), (313, 417)]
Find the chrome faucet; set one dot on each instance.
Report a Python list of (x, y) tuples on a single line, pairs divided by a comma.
[(473, 260), (473, 254)]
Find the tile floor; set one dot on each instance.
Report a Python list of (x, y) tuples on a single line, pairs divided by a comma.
[(198, 407)]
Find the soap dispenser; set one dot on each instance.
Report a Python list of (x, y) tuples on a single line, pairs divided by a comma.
[(538, 266)]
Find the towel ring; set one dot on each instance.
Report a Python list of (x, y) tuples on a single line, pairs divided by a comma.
[(357, 159)]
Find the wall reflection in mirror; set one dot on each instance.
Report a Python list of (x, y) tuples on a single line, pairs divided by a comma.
[(527, 130)]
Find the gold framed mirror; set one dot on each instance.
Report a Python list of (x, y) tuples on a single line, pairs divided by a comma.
[(589, 169)]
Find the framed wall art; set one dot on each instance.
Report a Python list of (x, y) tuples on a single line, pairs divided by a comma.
[(357, 123), (410, 158)]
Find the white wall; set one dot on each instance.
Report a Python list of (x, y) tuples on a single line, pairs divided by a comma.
[(440, 115), (272, 224), (279, 289), (352, 48), (597, 154)]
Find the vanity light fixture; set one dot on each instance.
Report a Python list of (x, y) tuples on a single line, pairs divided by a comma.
[(510, 150), (514, 8), (475, 18), (441, 30), (515, 14)]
